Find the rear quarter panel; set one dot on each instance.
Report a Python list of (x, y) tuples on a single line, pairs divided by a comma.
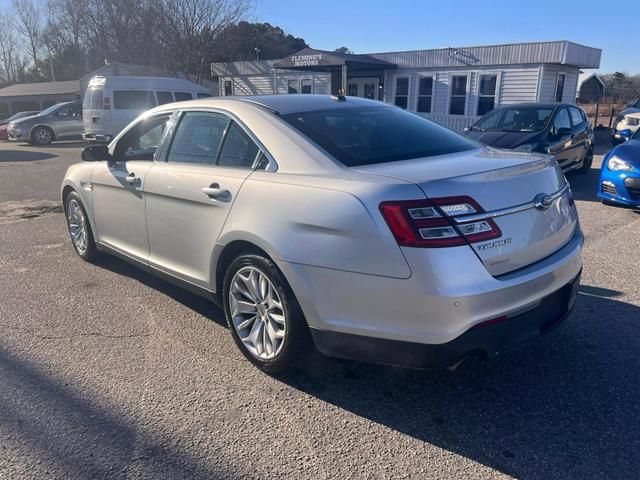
[(320, 222)]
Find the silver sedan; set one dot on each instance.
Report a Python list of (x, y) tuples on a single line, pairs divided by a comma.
[(338, 223)]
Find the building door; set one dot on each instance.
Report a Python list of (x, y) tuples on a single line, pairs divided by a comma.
[(364, 88)]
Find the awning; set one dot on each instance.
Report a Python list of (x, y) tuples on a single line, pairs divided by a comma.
[(323, 61)]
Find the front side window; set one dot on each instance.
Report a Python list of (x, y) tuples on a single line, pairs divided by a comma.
[(562, 120), (133, 100), (425, 94), (182, 96), (143, 140), (238, 150), (560, 87), (369, 135), (305, 85), (164, 97), (576, 116), (402, 92), (458, 99), (487, 93), (292, 86), (198, 138)]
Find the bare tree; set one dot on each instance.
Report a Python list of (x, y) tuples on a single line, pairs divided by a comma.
[(189, 29), (8, 53), (29, 24)]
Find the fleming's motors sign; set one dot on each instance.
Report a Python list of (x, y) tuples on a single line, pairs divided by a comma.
[(306, 60)]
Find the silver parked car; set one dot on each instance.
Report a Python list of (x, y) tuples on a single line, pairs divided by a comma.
[(58, 122), (338, 222)]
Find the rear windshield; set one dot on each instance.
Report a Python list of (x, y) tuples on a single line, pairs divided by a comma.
[(368, 135)]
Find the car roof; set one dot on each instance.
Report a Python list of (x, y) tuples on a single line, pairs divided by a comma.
[(534, 104), (279, 104)]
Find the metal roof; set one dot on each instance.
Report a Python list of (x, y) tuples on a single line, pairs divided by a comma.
[(560, 52), (41, 88)]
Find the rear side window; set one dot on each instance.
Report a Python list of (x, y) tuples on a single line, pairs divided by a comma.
[(164, 97), (198, 138), (203, 95), (368, 135), (133, 100), (238, 150), (182, 96)]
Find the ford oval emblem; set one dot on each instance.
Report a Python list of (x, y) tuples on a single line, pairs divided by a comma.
[(542, 201)]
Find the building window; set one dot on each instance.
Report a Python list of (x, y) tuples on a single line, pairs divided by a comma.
[(228, 88), (352, 89), (560, 87), (305, 86), (402, 92), (425, 94), (458, 100), (292, 86), (487, 93)]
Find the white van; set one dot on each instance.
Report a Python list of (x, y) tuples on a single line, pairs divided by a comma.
[(111, 103)]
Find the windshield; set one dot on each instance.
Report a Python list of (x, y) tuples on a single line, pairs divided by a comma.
[(367, 135), (636, 136), (51, 109), (515, 119)]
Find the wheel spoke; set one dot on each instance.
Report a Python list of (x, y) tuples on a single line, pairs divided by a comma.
[(244, 307)]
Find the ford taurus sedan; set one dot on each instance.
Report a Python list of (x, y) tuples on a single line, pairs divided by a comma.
[(335, 222)]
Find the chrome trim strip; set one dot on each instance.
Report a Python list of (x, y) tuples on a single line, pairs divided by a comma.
[(510, 210)]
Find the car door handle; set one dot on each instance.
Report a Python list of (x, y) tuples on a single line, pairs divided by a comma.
[(214, 191), (131, 179)]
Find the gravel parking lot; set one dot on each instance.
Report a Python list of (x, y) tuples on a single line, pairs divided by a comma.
[(108, 372)]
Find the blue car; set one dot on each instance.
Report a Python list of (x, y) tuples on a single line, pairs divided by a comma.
[(620, 173)]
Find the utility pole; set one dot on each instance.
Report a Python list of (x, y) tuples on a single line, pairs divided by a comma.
[(53, 75)]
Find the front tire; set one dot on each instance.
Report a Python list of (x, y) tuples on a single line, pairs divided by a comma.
[(263, 315), (79, 228), (42, 136), (587, 161)]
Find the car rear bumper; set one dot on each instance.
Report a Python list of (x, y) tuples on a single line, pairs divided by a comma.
[(448, 293), (485, 339)]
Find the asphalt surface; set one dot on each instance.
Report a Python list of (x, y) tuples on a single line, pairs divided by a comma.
[(108, 372)]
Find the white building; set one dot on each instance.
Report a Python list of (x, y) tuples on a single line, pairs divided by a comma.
[(453, 86)]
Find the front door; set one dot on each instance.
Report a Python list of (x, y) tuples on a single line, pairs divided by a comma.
[(68, 121), (561, 138), (190, 194), (363, 87), (118, 189)]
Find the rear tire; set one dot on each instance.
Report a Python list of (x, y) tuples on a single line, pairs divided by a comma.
[(263, 315), (79, 228), (42, 136)]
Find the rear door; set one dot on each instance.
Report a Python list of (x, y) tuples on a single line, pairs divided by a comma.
[(189, 194), (580, 132)]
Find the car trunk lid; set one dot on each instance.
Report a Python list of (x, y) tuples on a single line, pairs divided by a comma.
[(526, 196)]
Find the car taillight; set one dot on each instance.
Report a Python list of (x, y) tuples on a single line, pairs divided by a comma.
[(106, 103), (428, 223)]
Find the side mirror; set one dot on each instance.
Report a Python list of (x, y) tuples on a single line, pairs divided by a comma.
[(95, 153), (467, 129), (626, 134), (561, 132)]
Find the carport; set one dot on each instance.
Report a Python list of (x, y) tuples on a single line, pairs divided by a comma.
[(349, 72)]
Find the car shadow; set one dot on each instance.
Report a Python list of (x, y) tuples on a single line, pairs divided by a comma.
[(563, 406), (75, 436), (9, 156), (584, 186)]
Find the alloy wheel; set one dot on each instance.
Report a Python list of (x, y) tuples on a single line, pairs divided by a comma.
[(257, 313), (77, 226), (42, 136)]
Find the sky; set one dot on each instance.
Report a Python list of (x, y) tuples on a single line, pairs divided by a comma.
[(395, 25)]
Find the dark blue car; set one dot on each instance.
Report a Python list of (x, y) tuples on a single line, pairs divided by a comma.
[(620, 174)]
